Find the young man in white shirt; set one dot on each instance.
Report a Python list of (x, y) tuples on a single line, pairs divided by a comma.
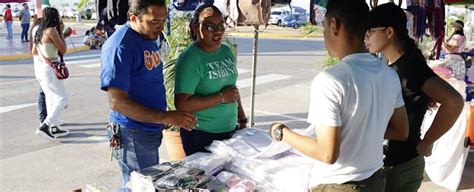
[(354, 104)]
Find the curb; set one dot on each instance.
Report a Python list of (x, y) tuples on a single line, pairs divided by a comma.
[(235, 34), (29, 56), (275, 36)]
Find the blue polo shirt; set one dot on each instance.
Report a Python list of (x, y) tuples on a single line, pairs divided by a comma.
[(132, 63)]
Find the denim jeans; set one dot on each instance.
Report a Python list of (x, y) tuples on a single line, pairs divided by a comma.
[(9, 25), (138, 150), (24, 31), (42, 106)]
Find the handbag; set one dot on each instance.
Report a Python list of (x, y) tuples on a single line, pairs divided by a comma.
[(59, 67)]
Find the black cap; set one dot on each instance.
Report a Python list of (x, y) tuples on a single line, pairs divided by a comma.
[(458, 24), (387, 15)]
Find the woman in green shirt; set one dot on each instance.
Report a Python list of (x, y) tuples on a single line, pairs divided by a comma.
[(206, 77)]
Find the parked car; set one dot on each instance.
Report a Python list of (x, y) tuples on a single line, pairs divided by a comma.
[(16, 12), (87, 14), (69, 13), (295, 20), (277, 17), (94, 16)]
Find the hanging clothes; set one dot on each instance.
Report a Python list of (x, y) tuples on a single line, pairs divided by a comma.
[(112, 12), (418, 9), (435, 14)]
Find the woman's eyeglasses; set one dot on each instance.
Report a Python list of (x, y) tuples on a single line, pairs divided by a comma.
[(213, 27), (372, 31)]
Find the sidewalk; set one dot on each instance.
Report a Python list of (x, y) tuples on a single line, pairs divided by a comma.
[(271, 31), (15, 49)]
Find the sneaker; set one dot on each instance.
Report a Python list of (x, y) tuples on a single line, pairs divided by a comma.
[(45, 132), (61, 123), (57, 132)]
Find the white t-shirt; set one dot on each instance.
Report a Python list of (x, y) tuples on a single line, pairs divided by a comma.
[(359, 94)]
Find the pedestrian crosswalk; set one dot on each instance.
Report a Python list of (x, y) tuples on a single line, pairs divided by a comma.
[(242, 83), (89, 66), (269, 78)]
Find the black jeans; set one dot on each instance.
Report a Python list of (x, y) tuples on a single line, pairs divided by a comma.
[(196, 141)]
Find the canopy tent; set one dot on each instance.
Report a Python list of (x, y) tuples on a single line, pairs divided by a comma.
[(468, 4), (462, 2)]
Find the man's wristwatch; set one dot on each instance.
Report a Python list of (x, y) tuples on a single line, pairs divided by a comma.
[(278, 132)]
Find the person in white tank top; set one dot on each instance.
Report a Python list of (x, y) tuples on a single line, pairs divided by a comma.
[(48, 40)]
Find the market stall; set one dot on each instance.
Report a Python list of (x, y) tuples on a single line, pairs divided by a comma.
[(249, 161)]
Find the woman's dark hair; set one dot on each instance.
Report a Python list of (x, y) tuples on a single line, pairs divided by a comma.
[(50, 19), (407, 43), (457, 31), (197, 17), (391, 15), (139, 7)]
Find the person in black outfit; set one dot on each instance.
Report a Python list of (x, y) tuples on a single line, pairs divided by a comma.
[(404, 162)]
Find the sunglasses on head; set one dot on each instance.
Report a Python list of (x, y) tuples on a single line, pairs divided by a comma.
[(213, 27)]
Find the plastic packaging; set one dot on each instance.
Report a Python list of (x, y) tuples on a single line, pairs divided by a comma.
[(236, 183), (210, 163), (182, 178)]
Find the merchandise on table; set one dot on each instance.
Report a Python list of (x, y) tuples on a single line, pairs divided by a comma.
[(182, 178), (175, 176), (236, 182), (211, 164)]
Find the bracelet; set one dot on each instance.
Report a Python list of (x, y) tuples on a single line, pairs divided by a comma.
[(222, 97), (242, 121)]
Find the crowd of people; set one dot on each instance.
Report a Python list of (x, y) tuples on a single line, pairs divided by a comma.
[(25, 18), (94, 38), (354, 105)]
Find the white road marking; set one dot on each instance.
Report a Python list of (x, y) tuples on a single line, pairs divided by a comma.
[(95, 61), (244, 83), (293, 118), (15, 107), (89, 66), (240, 70)]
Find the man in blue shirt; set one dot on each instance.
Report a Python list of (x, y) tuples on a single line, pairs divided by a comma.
[(132, 75)]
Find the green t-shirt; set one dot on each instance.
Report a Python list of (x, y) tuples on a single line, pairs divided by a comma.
[(203, 73)]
